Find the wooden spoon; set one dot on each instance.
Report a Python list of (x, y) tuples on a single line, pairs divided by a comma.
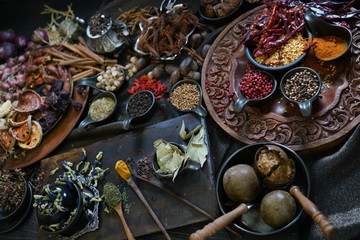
[(219, 223), (128, 232), (117, 208), (327, 227), (125, 174)]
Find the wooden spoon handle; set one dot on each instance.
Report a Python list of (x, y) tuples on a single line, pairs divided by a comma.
[(128, 232), (219, 223), (132, 184), (318, 217)]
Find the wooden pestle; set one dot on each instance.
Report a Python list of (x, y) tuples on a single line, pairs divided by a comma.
[(312, 210), (219, 223)]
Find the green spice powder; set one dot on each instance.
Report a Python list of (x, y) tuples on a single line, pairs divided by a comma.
[(112, 195)]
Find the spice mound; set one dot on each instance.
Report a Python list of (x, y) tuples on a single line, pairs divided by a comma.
[(11, 191), (139, 104), (287, 54), (112, 194), (101, 108), (111, 78), (185, 97), (274, 166), (99, 24), (256, 84), (329, 47), (301, 86)]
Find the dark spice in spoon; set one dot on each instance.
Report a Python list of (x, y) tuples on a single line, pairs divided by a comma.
[(139, 104)]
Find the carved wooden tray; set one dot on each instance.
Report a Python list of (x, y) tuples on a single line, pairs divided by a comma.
[(335, 113), (52, 139)]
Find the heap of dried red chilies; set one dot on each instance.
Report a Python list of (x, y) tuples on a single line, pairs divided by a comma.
[(146, 83), (273, 27)]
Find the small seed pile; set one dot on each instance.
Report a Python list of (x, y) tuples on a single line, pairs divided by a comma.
[(99, 23), (101, 108), (111, 78), (255, 84), (139, 104), (11, 191), (301, 86), (185, 97)]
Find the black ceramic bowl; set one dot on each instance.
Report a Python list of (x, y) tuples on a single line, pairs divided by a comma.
[(305, 106), (18, 211), (74, 200), (199, 109), (241, 101), (248, 50), (10, 221), (246, 155), (190, 164), (221, 20)]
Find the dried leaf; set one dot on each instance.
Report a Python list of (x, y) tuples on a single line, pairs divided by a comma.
[(169, 158), (184, 135), (197, 149)]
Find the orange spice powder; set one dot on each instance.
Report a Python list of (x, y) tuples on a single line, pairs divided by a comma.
[(329, 47)]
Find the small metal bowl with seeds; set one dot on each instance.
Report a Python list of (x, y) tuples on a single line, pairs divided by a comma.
[(301, 85)]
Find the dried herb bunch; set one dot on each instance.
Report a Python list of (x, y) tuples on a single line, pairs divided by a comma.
[(11, 191), (165, 35)]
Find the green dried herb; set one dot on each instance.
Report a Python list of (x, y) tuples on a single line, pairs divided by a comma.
[(112, 194)]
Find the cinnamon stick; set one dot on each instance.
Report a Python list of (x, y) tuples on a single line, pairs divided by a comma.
[(89, 53), (75, 61), (86, 73)]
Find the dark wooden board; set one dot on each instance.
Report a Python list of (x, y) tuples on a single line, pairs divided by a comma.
[(197, 187), (335, 112)]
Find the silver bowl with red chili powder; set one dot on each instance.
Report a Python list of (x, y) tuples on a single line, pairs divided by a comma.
[(255, 86), (301, 85)]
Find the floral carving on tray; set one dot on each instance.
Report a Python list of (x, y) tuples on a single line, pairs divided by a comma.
[(336, 112)]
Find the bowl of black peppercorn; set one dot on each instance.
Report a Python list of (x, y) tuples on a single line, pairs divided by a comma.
[(139, 108), (302, 86)]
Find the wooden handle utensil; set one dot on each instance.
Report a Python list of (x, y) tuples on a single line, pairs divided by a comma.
[(128, 232), (219, 223), (318, 217)]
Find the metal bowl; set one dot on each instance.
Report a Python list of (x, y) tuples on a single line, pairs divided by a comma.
[(246, 155)]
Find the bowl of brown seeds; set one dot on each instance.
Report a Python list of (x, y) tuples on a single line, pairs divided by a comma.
[(186, 96)]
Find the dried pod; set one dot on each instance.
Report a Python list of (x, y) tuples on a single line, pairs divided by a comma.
[(186, 65), (194, 75), (158, 71), (142, 62), (174, 77), (170, 68), (205, 50), (195, 40)]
